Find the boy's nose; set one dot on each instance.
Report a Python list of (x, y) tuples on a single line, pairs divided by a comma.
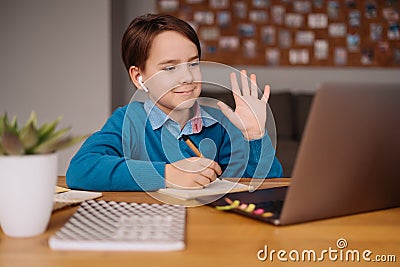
[(186, 74)]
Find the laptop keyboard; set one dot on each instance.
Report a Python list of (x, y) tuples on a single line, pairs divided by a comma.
[(271, 206)]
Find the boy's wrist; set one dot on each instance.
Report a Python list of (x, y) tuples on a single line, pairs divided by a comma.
[(253, 135)]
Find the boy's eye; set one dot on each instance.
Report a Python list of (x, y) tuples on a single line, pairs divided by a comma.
[(169, 68), (194, 63)]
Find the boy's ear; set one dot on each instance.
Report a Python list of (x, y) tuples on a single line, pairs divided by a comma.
[(134, 74)]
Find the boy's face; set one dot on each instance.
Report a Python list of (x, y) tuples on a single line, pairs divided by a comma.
[(172, 73)]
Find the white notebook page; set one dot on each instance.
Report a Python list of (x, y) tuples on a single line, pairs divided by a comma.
[(219, 187)]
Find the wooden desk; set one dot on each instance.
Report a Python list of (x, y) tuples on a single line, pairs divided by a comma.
[(216, 238)]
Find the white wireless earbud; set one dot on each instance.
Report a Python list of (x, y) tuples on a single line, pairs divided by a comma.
[(140, 80)]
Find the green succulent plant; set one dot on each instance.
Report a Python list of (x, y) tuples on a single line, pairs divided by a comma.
[(31, 139)]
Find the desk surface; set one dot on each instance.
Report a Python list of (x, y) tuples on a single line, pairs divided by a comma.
[(216, 238)]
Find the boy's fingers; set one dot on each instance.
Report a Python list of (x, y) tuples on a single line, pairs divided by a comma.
[(267, 92), (212, 165), (217, 168), (202, 180), (253, 85), (234, 84), (210, 174), (245, 83)]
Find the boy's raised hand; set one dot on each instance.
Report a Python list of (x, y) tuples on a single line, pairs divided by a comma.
[(250, 114), (191, 173)]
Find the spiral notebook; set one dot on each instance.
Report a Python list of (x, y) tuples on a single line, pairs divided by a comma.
[(122, 226)]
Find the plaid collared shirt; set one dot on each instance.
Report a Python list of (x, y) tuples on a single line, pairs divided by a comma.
[(158, 119)]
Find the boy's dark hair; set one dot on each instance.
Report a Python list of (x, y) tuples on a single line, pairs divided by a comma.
[(139, 35)]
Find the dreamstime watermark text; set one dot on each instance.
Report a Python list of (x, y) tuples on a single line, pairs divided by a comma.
[(338, 253)]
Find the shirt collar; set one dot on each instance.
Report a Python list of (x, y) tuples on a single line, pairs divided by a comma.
[(158, 118)]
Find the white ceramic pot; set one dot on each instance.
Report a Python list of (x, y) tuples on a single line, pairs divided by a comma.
[(27, 186)]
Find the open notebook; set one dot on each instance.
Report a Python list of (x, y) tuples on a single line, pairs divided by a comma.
[(218, 187), (65, 197)]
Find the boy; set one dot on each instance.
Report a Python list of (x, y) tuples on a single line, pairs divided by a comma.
[(141, 146)]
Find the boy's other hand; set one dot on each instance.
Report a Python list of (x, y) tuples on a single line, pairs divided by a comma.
[(250, 114)]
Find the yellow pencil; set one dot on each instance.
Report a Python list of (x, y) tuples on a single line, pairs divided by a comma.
[(192, 146)]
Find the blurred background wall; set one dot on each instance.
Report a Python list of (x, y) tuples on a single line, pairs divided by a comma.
[(55, 58), (298, 79)]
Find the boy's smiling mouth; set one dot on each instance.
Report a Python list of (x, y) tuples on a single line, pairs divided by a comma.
[(185, 91)]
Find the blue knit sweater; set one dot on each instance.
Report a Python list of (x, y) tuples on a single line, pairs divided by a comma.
[(128, 155)]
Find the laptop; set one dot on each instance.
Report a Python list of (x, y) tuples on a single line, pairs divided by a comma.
[(348, 160)]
